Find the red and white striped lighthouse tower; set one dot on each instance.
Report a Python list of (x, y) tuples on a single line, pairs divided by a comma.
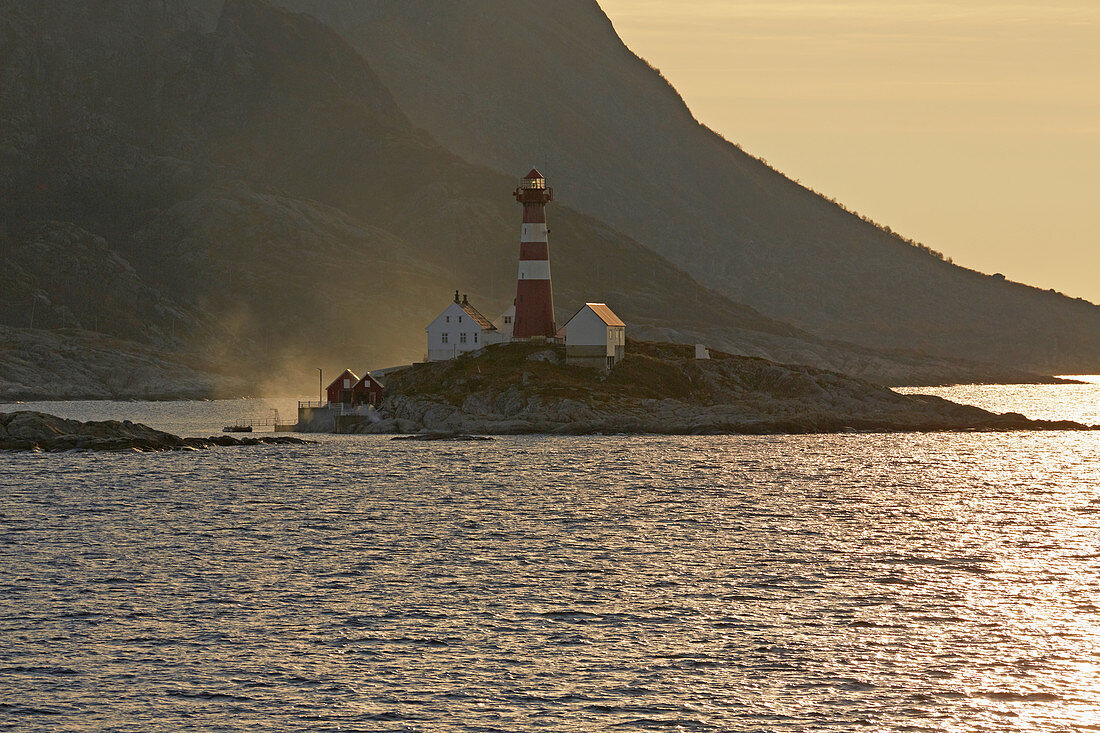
[(534, 296)]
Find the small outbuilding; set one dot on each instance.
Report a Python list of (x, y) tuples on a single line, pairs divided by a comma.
[(504, 323), (595, 337), (367, 391), (458, 330), (341, 391)]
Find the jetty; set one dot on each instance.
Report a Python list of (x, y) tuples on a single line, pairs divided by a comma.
[(249, 425)]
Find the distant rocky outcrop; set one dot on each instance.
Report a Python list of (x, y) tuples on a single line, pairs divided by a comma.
[(74, 364), (660, 388), (38, 431)]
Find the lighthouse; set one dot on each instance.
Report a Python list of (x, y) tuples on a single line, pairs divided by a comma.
[(534, 296)]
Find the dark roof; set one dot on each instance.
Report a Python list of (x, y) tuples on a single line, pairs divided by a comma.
[(534, 174), (479, 319), (604, 313), (347, 373)]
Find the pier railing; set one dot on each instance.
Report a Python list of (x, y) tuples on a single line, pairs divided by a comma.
[(337, 408), (251, 423)]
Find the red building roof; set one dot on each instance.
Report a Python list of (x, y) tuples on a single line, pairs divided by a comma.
[(604, 313), (348, 374), (367, 382)]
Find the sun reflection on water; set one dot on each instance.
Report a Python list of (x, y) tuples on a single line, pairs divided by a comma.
[(946, 582)]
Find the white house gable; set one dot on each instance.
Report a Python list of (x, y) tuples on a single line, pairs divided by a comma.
[(457, 330)]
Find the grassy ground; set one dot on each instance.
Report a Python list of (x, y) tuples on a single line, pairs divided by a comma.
[(649, 370)]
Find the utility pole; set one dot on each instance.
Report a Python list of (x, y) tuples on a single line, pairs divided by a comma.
[(320, 386)]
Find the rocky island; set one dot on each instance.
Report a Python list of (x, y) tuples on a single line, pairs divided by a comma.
[(38, 431), (659, 388)]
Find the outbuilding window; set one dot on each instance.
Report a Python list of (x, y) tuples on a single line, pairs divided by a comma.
[(445, 336), (475, 337), (462, 338)]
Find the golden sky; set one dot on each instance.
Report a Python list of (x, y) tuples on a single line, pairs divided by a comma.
[(971, 126)]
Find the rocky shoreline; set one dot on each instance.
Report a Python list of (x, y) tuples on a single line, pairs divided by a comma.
[(660, 389), (673, 418), (38, 431)]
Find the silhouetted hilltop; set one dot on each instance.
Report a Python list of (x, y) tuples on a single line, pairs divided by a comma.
[(494, 80)]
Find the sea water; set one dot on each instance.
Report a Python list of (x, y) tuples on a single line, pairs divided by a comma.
[(939, 582)]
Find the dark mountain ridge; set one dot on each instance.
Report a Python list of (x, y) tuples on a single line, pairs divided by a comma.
[(495, 79), (233, 185)]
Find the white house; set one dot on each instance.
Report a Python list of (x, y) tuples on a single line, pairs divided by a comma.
[(595, 337), (504, 323), (458, 330)]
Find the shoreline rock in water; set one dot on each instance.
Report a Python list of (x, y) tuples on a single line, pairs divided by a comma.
[(523, 388), (453, 437), (38, 431)]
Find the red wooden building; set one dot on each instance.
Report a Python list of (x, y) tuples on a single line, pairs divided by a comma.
[(341, 391), (349, 389), (367, 391)]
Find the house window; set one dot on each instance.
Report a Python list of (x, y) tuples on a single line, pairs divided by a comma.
[(445, 338), (462, 338), (347, 384), (475, 337), (460, 319), (448, 319), (507, 319)]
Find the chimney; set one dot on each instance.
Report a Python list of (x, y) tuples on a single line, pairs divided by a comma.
[(465, 300), (456, 296)]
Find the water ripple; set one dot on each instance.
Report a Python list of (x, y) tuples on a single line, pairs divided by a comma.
[(832, 583)]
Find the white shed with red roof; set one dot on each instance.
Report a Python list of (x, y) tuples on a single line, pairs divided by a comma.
[(595, 337)]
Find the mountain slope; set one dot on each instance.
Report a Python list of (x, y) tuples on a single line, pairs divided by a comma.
[(495, 80), (233, 185)]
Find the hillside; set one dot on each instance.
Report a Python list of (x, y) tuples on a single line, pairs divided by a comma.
[(494, 80), (231, 186), (662, 389), (67, 363)]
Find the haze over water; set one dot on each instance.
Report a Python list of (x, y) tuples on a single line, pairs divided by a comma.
[(945, 582)]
